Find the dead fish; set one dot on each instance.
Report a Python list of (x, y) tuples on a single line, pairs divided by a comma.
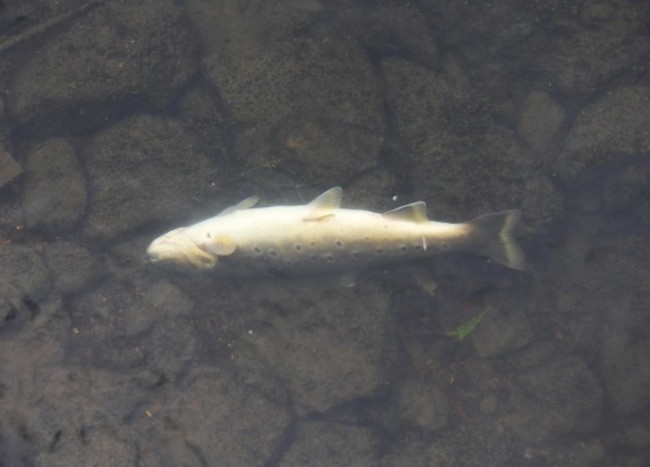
[(321, 237)]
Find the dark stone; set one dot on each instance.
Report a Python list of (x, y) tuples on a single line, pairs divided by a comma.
[(616, 126), (329, 344), (71, 266), (539, 121), (141, 170), (559, 398), (54, 195), (195, 421), (22, 268), (504, 329), (423, 405), (294, 119), (118, 56), (324, 444)]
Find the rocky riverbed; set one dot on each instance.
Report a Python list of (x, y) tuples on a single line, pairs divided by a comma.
[(128, 119)]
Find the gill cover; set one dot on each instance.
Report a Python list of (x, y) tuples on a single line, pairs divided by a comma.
[(201, 259), (177, 248), (221, 245)]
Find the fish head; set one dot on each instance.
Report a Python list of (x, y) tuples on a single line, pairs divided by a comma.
[(177, 248)]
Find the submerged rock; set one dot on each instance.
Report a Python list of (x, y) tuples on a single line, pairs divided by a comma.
[(561, 397), (503, 329), (117, 55), (391, 31), (315, 118), (118, 326), (54, 196), (71, 266), (626, 368), (10, 303), (141, 170), (325, 444), (22, 268), (212, 421), (614, 127), (9, 168), (328, 344), (539, 121), (593, 44), (423, 405)]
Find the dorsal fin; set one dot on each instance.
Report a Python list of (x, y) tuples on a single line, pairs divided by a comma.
[(414, 212), (324, 205), (246, 204), (329, 200)]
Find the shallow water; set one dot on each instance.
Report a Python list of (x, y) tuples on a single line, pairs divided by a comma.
[(129, 119)]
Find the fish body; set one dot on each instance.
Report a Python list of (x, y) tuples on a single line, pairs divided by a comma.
[(322, 237)]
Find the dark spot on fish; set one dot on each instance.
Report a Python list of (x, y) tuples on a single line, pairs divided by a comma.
[(366, 239), (355, 254), (257, 250), (338, 243), (417, 247), (444, 246), (379, 251), (313, 257), (272, 252), (329, 258), (208, 235), (312, 244), (298, 246), (402, 248)]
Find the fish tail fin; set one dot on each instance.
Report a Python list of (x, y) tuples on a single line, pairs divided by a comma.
[(496, 241)]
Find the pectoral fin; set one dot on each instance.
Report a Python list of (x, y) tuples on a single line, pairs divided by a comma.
[(221, 245)]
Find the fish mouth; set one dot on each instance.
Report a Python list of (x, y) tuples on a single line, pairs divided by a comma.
[(182, 253), (158, 253), (152, 254), (153, 257)]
